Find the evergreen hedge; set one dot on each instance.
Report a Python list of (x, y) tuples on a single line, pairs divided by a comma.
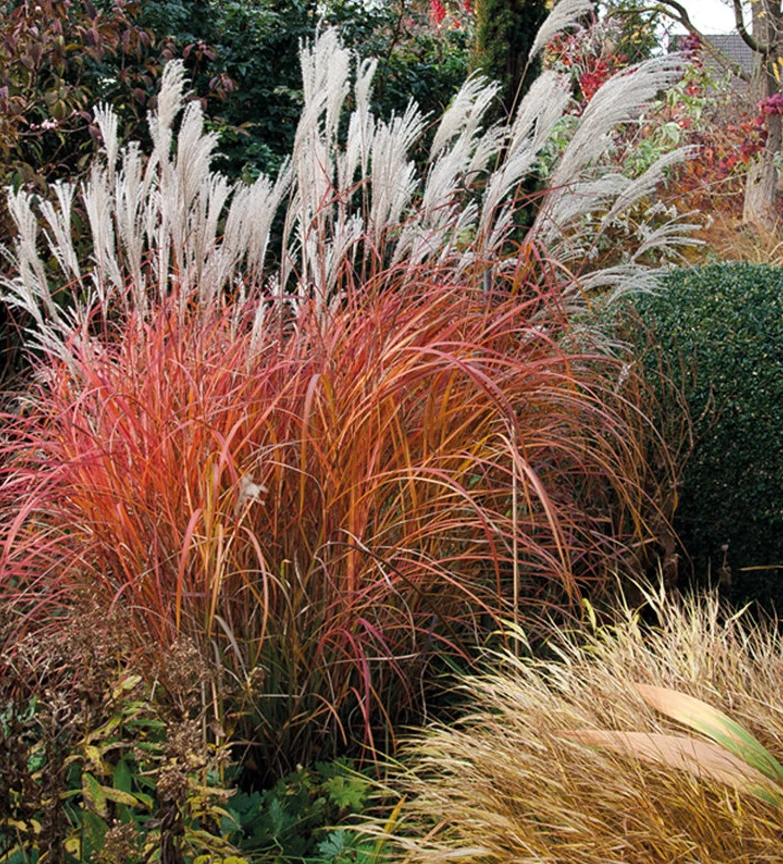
[(718, 331)]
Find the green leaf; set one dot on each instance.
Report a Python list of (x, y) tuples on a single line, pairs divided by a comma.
[(347, 792), (96, 829), (245, 806), (94, 796), (122, 779), (335, 845), (277, 818), (145, 800)]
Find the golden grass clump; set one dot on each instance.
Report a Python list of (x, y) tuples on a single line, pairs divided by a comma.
[(726, 238), (506, 784)]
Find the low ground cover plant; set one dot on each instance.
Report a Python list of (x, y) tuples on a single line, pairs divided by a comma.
[(531, 773)]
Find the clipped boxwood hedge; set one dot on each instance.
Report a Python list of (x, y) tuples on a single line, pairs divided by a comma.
[(718, 329)]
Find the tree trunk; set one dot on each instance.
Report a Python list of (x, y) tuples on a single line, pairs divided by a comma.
[(761, 193), (505, 30)]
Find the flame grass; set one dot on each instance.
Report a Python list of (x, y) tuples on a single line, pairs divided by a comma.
[(324, 508), (326, 470)]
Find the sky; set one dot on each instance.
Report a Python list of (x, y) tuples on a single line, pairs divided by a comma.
[(710, 16)]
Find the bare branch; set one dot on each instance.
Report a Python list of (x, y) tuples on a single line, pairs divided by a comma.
[(753, 44), (683, 18), (679, 13)]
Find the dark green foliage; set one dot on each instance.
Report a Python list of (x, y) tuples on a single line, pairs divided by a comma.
[(719, 330), (418, 64), (295, 820), (505, 30), (258, 44), (185, 21)]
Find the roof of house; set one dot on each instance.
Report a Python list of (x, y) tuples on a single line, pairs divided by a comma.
[(731, 45), (735, 47)]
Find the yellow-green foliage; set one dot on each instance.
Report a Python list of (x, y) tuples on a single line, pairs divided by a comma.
[(507, 784)]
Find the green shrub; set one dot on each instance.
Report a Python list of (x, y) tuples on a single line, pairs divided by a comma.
[(719, 330)]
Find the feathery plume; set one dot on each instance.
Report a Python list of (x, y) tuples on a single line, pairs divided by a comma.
[(60, 241), (620, 99), (565, 14), (154, 220), (107, 123), (465, 113)]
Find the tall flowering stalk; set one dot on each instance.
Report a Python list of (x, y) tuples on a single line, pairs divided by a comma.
[(168, 225)]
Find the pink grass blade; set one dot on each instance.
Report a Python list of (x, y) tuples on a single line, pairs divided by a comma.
[(713, 724), (702, 759)]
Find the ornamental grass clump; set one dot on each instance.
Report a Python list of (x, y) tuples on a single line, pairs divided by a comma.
[(327, 461), (632, 743), (323, 510)]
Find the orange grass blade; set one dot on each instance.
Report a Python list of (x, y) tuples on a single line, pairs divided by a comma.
[(426, 458), (702, 759), (713, 724)]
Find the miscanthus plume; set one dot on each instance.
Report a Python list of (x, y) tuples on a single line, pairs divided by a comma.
[(165, 224)]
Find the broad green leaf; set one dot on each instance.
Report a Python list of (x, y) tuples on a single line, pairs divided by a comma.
[(96, 829), (145, 800), (122, 778), (335, 844), (94, 796), (347, 792), (714, 724)]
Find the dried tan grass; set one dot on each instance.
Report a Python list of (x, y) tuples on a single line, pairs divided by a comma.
[(727, 239), (504, 785)]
